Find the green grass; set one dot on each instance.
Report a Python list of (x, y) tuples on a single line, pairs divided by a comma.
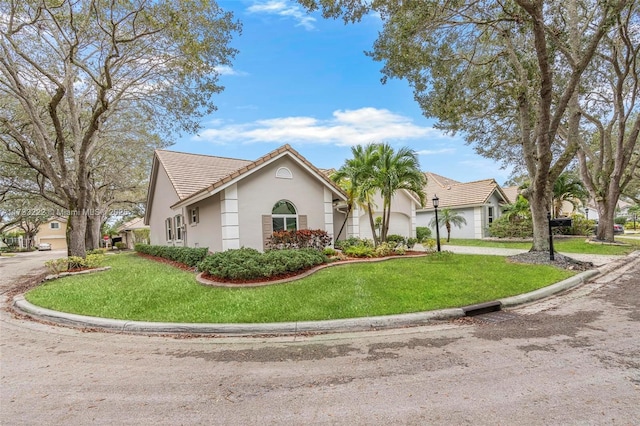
[(140, 289), (565, 245)]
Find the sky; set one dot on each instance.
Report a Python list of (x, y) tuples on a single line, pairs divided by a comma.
[(302, 80)]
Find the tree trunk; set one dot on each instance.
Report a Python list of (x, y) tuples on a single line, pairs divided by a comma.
[(539, 208), (606, 215), (372, 224), (76, 230), (346, 219), (92, 236)]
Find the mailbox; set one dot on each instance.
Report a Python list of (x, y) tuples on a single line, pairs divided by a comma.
[(564, 221)]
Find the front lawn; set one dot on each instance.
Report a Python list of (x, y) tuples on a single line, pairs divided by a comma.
[(143, 290), (562, 244)]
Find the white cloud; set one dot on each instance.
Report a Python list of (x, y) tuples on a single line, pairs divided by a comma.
[(284, 9), (227, 70), (345, 128)]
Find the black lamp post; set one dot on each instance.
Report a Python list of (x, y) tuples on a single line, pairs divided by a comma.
[(586, 212), (436, 202)]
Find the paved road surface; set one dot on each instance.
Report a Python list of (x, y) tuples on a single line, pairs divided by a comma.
[(571, 359)]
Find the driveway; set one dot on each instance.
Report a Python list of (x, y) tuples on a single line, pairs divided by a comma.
[(570, 359)]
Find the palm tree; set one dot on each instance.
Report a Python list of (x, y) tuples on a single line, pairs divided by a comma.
[(356, 177), (394, 171), (568, 187), (447, 218), (517, 211)]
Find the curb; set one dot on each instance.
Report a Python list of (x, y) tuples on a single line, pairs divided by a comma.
[(338, 325)]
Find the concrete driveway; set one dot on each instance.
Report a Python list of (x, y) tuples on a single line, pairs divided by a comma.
[(570, 359)]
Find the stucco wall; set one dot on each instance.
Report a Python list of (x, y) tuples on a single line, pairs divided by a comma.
[(258, 193), (163, 196), (208, 231), (401, 222)]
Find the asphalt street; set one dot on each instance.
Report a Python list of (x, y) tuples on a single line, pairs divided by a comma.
[(571, 359)]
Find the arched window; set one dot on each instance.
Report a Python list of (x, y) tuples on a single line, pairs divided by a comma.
[(284, 173), (284, 216)]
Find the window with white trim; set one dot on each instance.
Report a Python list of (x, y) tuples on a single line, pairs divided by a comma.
[(168, 225), (490, 214), (178, 222), (284, 216), (194, 215), (54, 225)]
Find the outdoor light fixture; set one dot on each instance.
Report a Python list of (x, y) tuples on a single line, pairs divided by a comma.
[(436, 203), (586, 212)]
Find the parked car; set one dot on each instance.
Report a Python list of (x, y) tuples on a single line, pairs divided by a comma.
[(44, 246), (618, 229)]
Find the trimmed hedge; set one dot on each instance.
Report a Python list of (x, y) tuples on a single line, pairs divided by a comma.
[(190, 256), (250, 264)]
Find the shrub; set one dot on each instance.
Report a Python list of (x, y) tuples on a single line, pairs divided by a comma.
[(97, 251), (302, 238), (360, 250), (353, 241), (429, 244), (329, 251), (190, 256), (396, 240), (422, 233), (620, 220), (120, 245), (504, 228), (411, 242), (57, 266), (385, 249), (250, 264)]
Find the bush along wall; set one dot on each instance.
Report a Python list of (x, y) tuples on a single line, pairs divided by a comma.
[(190, 256), (250, 264), (303, 238)]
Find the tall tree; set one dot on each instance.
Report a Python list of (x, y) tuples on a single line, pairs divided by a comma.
[(68, 69), (504, 73), (610, 125), (357, 177), (395, 171)]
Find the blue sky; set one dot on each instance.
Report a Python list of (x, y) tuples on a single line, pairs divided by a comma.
[(303, 80)]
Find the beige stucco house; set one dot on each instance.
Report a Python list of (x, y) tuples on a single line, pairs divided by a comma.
[(479, 202), (225, 203)]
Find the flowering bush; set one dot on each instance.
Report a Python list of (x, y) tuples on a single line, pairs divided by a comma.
[(302, 238)]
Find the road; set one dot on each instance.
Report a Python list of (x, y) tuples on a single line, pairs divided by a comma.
[(570, 359)]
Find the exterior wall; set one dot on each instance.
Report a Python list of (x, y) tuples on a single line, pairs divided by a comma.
[(258, 193), (403, 219), (207, 232), (163, 196), (56, 237), (423, 218)]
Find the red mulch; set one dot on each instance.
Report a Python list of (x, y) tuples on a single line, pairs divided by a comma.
[(168, 262)]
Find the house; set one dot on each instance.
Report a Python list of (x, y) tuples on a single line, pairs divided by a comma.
[(479, 202), (53, 231), (225, 203), (128, 231)]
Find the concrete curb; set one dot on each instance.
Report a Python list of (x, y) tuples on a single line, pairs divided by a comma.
[(339, 325)]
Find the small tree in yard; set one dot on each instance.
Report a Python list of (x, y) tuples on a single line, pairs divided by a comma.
[(447, 218)]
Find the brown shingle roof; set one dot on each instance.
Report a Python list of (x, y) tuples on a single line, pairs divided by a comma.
[(512, 193), (191, 173), (456, 194)]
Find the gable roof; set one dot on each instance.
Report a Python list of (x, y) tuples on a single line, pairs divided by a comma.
[(458, 194), (135, 223), (195, 176), (512, 193), (190, 173)]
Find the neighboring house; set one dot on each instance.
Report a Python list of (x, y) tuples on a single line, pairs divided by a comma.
[(127, 233), (225, 203), (479, 202), (53, 231)]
